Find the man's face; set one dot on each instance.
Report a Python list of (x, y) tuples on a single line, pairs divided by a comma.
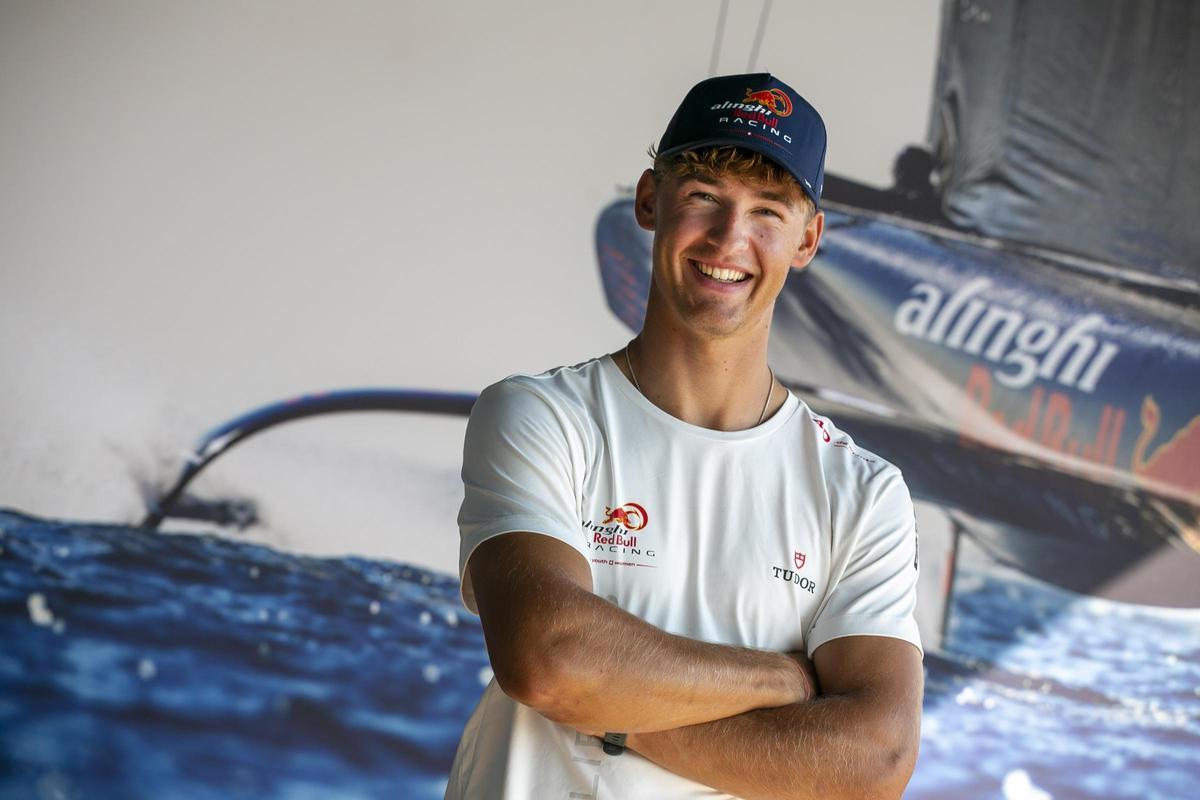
[(723, 248)]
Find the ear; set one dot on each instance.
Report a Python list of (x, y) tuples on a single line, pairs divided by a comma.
[(644, 199), (810, 242)]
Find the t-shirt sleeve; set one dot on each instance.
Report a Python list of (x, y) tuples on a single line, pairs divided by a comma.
[(876, 592), (518, 473)]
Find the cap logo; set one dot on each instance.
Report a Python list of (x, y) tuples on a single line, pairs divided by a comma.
[(774, 99), (771, 118)]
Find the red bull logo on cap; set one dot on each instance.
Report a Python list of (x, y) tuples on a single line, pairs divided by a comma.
[(774, 99), (630, 515)]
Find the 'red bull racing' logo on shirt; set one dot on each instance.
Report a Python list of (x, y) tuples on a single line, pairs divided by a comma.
[(632, 516), (614, 535), (774, 99)]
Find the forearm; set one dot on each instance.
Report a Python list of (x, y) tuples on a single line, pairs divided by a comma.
[(583, 661), (599, 668), (840, 746)]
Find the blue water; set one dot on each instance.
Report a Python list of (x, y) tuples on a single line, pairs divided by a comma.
[(1078, 696), (136, 664), (197, 667)]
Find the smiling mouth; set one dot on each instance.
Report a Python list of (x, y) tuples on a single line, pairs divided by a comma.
[(719, 274)]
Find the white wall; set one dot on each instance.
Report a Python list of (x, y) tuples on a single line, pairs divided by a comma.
[(209, 206)]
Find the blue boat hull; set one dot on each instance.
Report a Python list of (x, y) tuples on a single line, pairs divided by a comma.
[(1053, 410)]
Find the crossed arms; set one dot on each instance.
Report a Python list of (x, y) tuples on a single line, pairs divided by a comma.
[(747, 722)]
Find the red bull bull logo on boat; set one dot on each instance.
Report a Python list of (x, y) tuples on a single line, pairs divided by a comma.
[(1175, 461)]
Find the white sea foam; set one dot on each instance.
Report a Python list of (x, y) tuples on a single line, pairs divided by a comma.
[(1019, 786), (39, 613)]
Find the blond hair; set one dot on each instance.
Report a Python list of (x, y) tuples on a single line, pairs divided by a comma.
[(729, 162)]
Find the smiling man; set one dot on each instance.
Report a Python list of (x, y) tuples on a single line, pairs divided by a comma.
[(687, 580)]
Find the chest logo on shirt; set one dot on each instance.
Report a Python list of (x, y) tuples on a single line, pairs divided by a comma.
[(616, 535), (785, 574), (632, 516), (794, 576)]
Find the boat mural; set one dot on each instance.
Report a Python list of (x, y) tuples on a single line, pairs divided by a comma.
[(1015, 323)]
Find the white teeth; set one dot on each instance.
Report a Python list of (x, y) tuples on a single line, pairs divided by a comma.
[(723, 275)]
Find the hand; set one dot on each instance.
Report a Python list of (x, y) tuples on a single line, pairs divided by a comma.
[(808, 673)]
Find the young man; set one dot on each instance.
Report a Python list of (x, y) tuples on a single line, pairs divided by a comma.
[(658, 541)]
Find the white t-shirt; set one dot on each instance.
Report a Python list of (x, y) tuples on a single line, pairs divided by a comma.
[(780, 537)]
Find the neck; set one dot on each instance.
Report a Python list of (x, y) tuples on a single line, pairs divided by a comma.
[(716, 383)]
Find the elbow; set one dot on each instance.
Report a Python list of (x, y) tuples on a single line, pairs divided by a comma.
[(548, 678), (890, 748), (879, 768), (887, 771), (883, 776), (895, 771), (540, 689)]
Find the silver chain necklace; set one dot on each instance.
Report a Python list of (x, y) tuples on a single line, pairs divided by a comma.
[(761, 414)]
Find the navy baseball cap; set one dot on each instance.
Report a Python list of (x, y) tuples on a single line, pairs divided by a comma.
[(758, 112)]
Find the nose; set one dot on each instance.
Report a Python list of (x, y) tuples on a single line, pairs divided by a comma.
[(728, 231)]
